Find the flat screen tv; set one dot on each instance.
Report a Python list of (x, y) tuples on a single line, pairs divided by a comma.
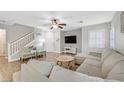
[(70, 39)]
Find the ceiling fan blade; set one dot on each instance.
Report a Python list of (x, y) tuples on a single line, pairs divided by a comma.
[(51, 28), (63, 24), (60, 27)]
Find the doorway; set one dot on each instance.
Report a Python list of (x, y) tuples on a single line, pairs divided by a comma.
[(2, 42)]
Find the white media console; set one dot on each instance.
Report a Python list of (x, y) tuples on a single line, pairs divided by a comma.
[(70, 50)]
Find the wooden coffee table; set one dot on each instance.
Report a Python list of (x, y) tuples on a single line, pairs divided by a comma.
[(65, 59)]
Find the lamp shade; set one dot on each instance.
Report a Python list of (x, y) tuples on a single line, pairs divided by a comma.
[(43, 40)]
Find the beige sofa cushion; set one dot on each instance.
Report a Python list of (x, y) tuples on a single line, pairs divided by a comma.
[(16, 76), (60, 74), (79, 59), (29, 74), (91, 67), (95, 54), (117, 72), (110, 62), (42, 67), (106, 53), (93, 57)]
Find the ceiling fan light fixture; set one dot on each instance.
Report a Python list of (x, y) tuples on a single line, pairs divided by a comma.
[(55, 26)]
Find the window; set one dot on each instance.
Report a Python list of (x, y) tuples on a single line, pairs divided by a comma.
[(112, 38), (96, 38)]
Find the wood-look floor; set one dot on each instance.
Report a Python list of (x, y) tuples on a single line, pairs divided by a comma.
[(7, 69)]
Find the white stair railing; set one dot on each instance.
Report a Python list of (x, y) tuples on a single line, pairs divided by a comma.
[(15, 46)]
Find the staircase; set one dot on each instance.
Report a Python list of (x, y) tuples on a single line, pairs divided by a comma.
[(15, 46)]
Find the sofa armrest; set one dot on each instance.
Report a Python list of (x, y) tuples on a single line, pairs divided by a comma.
[(91, 67), (28, 74), (79, 59), (95, 54), (42, 67), (16, 76), (94, 57), (60, 74)]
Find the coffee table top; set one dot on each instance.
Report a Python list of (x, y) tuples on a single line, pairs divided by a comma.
[(65, 58)]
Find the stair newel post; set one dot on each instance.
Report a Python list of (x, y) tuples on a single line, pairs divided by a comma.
[(9, 52)]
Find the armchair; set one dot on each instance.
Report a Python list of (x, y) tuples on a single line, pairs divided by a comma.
[(40, 52), (27, 53)]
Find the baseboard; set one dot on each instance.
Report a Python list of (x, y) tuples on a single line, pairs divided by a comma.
[(54, 51), (57, 51), (13, 60)]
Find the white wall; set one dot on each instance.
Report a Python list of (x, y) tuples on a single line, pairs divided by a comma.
[(57, 41), (75, 32), (52, 43), (14, 32), (84, 41), (119, 41), (85, 29), (39, 36), (49, 44)]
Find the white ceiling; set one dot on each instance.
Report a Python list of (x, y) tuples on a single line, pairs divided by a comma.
[(41, 19)]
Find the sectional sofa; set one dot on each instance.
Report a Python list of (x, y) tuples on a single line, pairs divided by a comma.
[(108, 68)]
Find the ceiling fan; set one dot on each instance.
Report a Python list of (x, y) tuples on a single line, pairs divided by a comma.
[(57, 24)]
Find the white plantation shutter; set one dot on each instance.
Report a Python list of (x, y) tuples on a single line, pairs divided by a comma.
[(96, 38)]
